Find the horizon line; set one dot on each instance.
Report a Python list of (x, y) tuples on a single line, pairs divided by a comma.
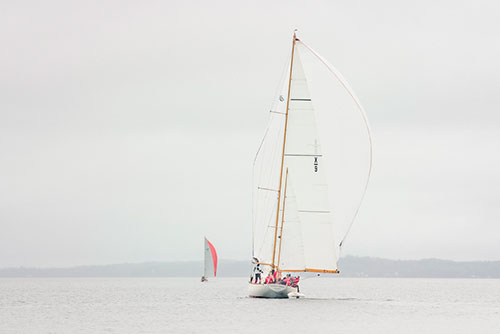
[(230, 260)]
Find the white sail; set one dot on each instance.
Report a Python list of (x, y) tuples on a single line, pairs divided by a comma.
[(291, 254), (307, 169), (308, 233), (307, 240), (345, 134)]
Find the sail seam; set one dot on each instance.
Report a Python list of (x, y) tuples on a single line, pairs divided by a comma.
[(302, 155), (314, 211)]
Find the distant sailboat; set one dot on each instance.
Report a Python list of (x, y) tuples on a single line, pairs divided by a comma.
[(210, 265), (294, 228)]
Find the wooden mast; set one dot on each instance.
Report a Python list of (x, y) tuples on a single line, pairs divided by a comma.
[(283, 152), (282, 219)]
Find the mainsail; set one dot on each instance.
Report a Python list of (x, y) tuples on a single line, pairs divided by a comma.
[(294, 228), (210, 268)]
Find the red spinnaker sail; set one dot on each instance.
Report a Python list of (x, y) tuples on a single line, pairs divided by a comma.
[(214, 256)]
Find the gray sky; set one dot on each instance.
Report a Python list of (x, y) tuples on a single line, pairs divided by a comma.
[(128, 129)]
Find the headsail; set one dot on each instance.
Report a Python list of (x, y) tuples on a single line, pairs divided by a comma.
[(307, 169), (210, 268)]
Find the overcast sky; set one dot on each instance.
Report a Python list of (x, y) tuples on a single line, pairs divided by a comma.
[(128, 128)]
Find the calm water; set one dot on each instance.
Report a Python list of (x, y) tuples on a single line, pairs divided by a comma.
[(172, 305)]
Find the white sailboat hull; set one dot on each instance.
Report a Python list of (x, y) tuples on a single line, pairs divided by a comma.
[(271, 291)]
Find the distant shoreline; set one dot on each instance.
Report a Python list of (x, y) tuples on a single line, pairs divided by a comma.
[(349, 266)]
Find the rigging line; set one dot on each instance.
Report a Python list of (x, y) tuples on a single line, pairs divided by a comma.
[(277, 91), (276, 94), (349, 90), (267, 229), (269, 204), (260, 146)]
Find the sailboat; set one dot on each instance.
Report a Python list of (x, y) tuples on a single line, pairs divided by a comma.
[(210, 263), (308, 182)]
